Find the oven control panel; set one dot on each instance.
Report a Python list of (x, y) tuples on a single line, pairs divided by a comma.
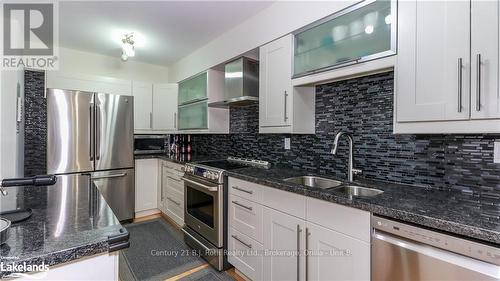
[(212, 175)]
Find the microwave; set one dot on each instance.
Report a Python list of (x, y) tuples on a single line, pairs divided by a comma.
[(150, 144)]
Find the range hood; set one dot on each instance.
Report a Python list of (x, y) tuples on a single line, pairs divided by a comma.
[(241, 83)]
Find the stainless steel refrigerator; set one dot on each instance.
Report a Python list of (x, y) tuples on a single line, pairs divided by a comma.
[(92, 135)]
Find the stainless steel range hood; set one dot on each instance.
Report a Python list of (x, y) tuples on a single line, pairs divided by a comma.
[(241, 84)]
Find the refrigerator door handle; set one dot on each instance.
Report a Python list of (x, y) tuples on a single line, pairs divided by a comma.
[(91, 132), (98, 132)]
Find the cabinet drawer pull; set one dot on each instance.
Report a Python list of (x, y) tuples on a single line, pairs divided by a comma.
[(459, 84), (243, 190), (478, 82), (174, 179), (173, 201), (241, 205), (244, 243)]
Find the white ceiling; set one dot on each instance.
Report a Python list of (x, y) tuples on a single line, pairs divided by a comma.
[(170, 30)]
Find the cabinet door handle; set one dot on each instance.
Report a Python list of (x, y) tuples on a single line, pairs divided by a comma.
[(307, 252), (151, 120), (242, 190), (175, 120), (478, 82), (285, 111), (298, 251), (241, 205), (242, 242), (161, 183), (459, 84), (173, 201)]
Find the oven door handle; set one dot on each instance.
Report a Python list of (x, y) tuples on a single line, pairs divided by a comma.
[(194, 238), (207, 187)]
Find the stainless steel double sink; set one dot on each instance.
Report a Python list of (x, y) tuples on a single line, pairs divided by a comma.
[(323, 183)]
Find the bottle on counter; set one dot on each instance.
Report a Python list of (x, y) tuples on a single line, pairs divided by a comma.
[(182, 144)]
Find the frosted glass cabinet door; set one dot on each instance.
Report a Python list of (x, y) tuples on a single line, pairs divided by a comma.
[(193, 89), (361, 32), (193, 116)]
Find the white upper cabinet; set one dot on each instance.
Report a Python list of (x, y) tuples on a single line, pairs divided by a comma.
[(282, 108), (143, 101), (165, 107), (155, 107), (432, 72), (275, 84), (485, 101), (439, 85), (89, 83)]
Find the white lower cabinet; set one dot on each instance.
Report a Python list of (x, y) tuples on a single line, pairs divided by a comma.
[(146, 185), (171, 199), (283, 240), (301, 238), (245, 254), (246, 216), (335, 256)]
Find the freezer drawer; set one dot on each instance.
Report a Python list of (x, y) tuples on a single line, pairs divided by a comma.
[(118, 188)]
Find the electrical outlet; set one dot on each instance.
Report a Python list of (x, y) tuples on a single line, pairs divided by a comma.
[(496, 152), (287, 143)]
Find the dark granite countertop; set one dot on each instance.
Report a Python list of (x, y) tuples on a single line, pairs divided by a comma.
[(451, 211), (70, 220), (183, 159)]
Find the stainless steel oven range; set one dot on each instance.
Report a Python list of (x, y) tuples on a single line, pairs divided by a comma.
[(205, 206)]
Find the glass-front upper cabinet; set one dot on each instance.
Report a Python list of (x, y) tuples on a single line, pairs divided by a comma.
[(193, 89), (361, 32), (193, 116)]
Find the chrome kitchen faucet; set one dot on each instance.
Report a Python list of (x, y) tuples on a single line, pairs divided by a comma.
[(350, 169)]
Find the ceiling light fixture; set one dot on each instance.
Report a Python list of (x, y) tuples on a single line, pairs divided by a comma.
[(128, 49)]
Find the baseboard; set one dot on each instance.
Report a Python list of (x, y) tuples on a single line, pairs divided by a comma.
[(241, 275), (142, 214)]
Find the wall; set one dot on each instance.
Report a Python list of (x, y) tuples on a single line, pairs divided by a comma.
[(364, 107), (11, 132), (79, 62), (11, 145), (277, 20)]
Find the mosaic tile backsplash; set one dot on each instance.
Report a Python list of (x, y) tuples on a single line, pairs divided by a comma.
[(364, 108), (35, 124)]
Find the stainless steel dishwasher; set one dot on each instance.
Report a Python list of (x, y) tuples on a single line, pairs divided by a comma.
[(406, 252)]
